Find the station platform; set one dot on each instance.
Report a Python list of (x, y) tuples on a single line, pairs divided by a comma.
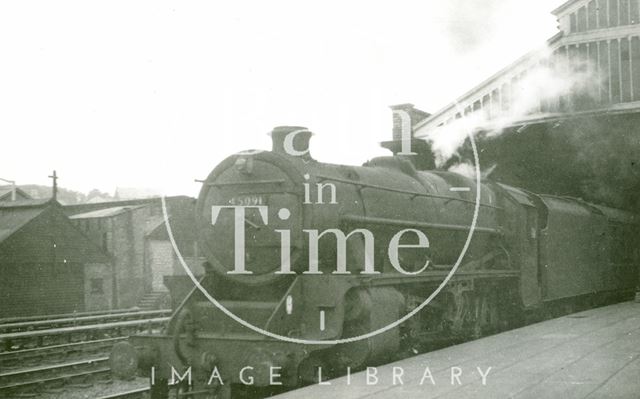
[(591, 354)]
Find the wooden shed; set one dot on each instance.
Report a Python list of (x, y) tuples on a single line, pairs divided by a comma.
[(47, 265)]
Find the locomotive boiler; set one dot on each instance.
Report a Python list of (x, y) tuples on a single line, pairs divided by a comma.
[(319, 252)]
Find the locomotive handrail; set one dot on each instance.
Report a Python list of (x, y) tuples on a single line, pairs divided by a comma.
[(407, 223), (241, 183), (401, 191), (439, 275)]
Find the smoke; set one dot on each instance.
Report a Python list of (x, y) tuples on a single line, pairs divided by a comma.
[(469, 24), (595, 157), (464, 169), (543, 85)]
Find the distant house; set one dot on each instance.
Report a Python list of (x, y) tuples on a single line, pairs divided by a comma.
[(128, 193), (10, 193), (47, 265), (98, 200)]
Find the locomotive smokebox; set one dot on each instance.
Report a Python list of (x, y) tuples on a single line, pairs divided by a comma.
[(291, 140)]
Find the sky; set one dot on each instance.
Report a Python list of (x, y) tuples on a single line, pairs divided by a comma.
[(154, 94)]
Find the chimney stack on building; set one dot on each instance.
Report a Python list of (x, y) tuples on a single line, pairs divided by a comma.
[(405, 118)]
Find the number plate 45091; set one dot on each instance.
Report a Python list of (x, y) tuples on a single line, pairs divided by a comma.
[(248, 200)]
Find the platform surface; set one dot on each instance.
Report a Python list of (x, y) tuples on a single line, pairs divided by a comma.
[(592, 354)]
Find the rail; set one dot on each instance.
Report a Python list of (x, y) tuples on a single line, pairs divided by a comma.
[(7, 340), (74, 321), (17, 382), (13, 358), (131, 394), (66, 315)]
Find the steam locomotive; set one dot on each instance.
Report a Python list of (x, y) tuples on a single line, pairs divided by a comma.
[(297, 276)]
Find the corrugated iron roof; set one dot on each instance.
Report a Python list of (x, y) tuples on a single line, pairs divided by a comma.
[(24, 203), (43, 219), (105, 213), (14, 218), (75, 209)]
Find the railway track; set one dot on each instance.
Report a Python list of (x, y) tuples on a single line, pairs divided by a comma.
[(67, 335), (23, 319), (58, 359), (141, 393), (42, 378), (72, 355), (75, 320), (56, 353)]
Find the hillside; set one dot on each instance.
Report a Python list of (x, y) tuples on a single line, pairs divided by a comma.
[(65, 196)]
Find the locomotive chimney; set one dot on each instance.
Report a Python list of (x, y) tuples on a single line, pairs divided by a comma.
[(405, 118), (291, 141)]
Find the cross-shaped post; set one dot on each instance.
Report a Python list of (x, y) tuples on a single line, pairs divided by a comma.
[(54, 177)]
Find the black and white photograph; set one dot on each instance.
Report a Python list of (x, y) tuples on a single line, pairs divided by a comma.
[(303, 199)]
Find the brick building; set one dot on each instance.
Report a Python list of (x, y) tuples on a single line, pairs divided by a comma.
[(133, 232), (47, 265), (115, 230)]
